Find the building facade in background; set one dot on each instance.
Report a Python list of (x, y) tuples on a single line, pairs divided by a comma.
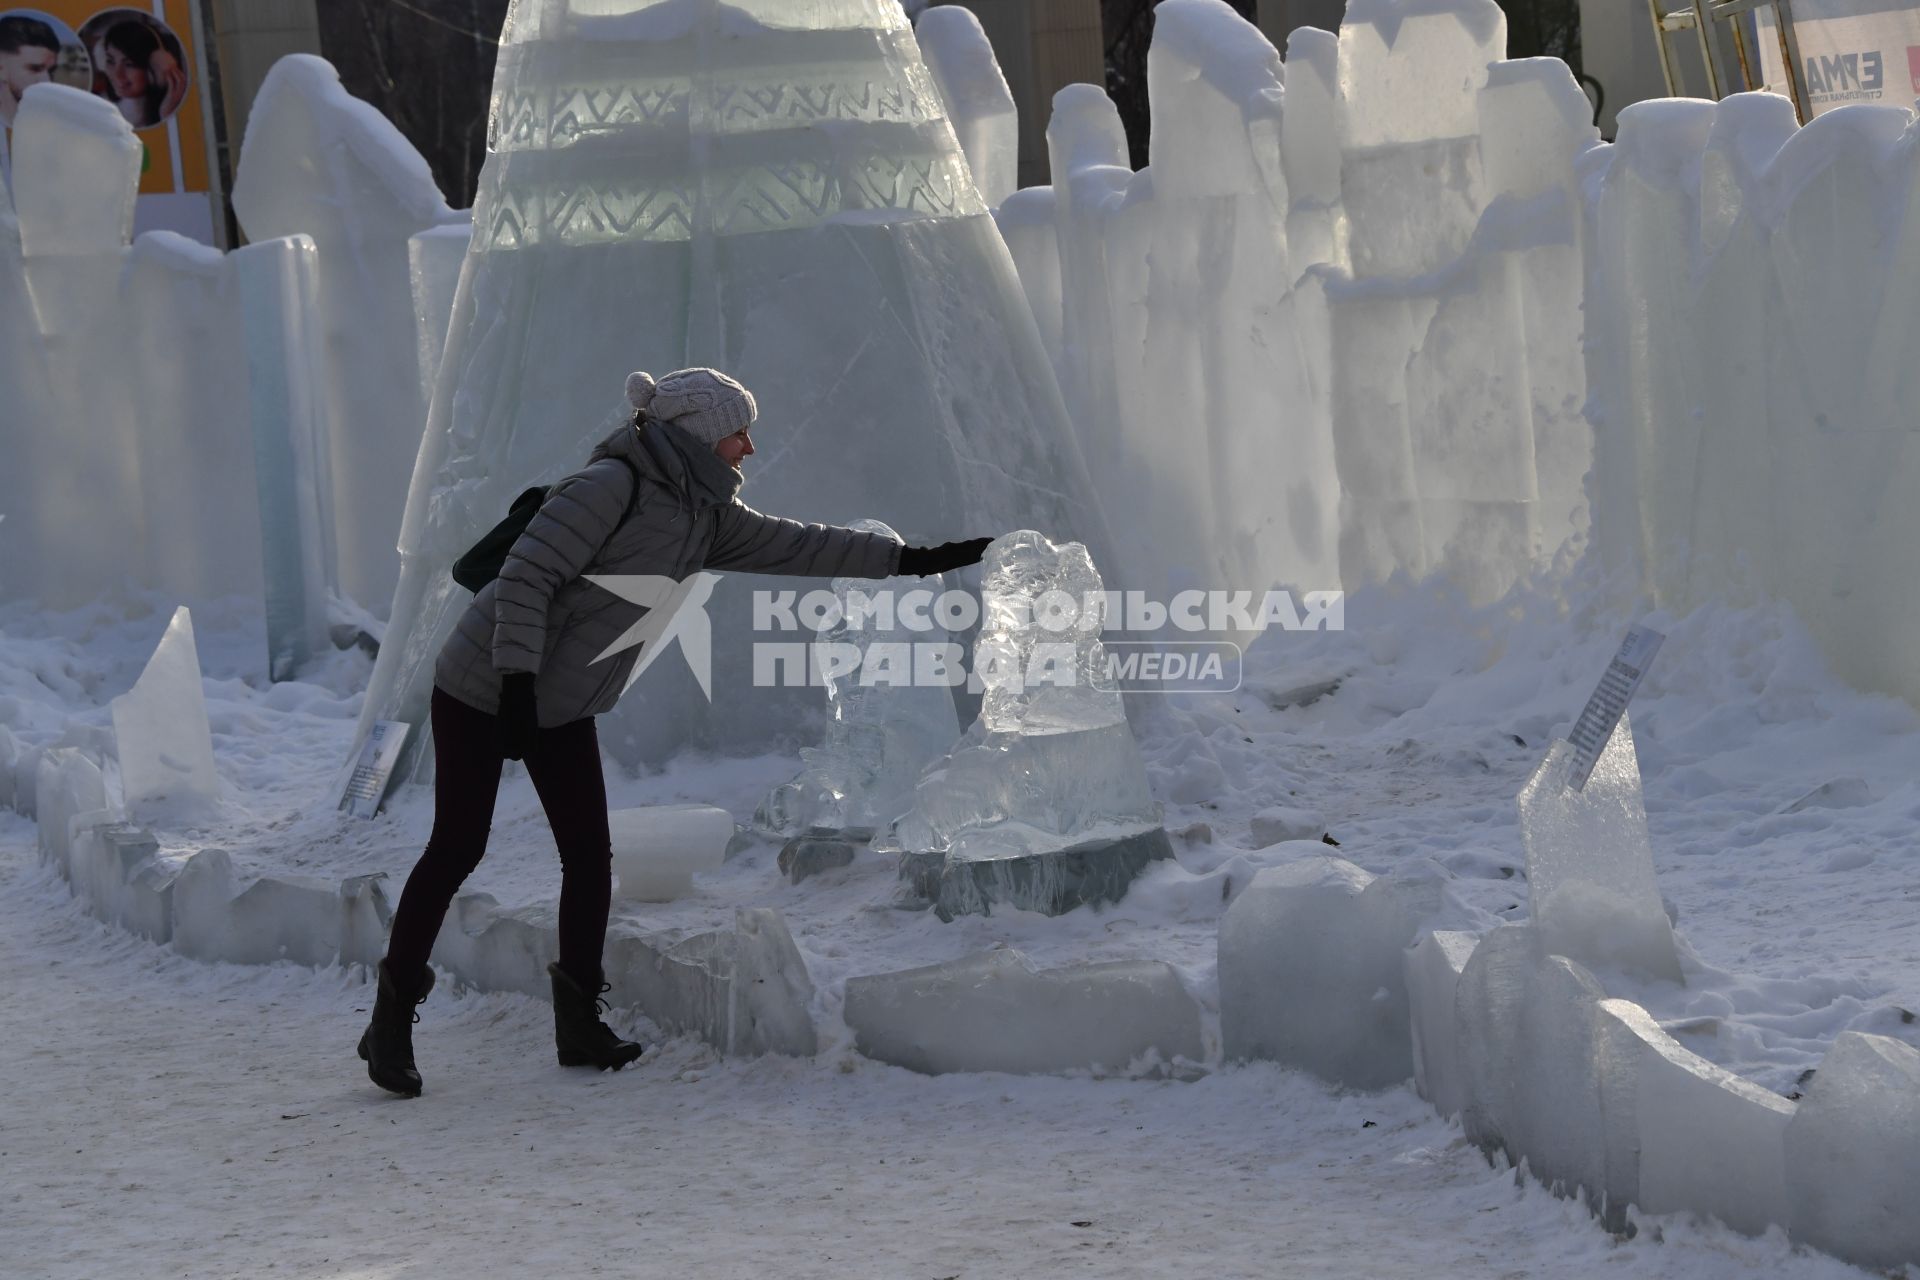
[(147, 59)]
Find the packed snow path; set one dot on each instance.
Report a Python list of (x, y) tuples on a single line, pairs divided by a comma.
[(165, 1117)]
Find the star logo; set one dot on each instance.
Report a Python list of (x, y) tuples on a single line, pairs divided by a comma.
[(674, 611)]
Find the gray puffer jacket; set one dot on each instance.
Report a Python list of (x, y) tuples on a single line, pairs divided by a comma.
[(540, 615)]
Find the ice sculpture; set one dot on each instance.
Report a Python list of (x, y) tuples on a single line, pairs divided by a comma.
[(977, 99), (1590, 879), (1044, 805), (160, 725), (770, 188), (318, 162), (883, 727)]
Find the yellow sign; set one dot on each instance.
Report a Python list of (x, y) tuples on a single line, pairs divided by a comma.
[(140, 57)]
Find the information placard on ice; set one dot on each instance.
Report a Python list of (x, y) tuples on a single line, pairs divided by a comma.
[(367, 784), (1609, 702)]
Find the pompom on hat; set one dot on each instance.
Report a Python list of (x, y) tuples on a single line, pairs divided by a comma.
[(704, 403)]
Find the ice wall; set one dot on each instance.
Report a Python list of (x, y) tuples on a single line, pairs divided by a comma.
[(175, 414), (771, 189), (1752, 292), (126, 400), (1332, 332), (320, 163)]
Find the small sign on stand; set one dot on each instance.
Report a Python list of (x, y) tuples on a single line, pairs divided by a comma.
[(1590, 732), (367, 784)]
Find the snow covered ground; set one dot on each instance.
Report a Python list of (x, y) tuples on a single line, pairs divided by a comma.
[(165, 1117), (1798, 903)]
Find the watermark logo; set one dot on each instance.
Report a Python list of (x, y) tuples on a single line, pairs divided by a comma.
[(674, 611), (1112, 641)]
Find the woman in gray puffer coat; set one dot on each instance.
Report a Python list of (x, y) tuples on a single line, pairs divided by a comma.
[(518, 679)]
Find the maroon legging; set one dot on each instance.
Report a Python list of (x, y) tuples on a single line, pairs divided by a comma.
[(564, 763)]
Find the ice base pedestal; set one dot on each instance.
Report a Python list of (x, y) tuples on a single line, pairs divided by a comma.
[(1052, 882)]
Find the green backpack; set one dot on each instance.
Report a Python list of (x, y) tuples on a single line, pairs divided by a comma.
[(481, 563)]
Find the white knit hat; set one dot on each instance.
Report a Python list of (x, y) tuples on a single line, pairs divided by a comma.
[(704, 403)]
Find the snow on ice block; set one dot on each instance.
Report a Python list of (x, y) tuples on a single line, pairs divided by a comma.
[(1433, 966), (1312, 973), (1590, 881), (117, 870), (1214, 82), (995, 1012), (1853, 1153), (1710, 1142), (745, 990), (307, 921), (68, 784), (657, 850), (979, 104), (76, 168), (160, 726), (1410, 69), (1533, 120)]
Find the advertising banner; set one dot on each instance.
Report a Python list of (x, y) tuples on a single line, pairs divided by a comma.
[(142, 58), (1850, 51)]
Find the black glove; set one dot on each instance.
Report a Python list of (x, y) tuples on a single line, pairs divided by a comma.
[(921, 561), (519, 717)]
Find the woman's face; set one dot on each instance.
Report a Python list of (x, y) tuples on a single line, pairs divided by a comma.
[(128, 77), (734, 448)]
